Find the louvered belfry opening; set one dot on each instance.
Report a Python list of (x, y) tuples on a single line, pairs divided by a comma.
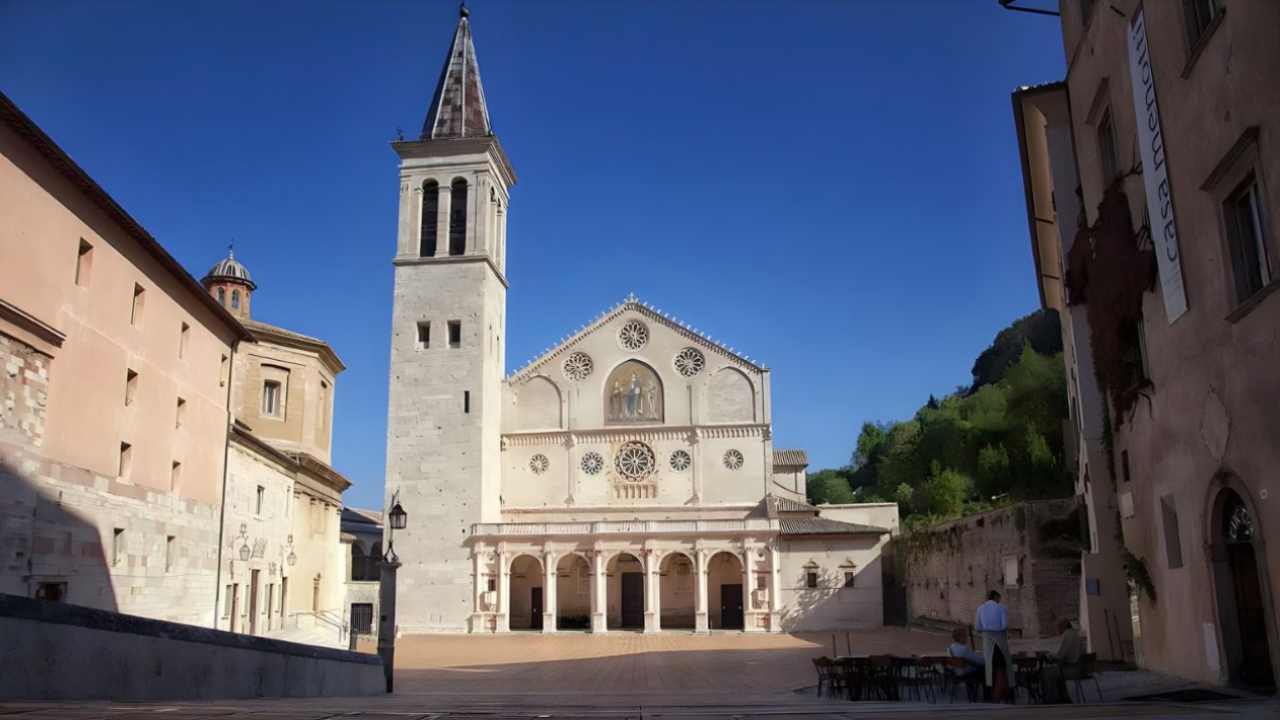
[(458, 218), (430, 219)]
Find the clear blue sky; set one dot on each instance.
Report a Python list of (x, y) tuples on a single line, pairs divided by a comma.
[(830, 187)]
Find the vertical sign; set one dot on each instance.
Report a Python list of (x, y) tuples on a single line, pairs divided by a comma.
[(1155, 170)]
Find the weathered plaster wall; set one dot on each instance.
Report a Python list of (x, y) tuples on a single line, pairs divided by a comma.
[(831, 605), (1030, 553)]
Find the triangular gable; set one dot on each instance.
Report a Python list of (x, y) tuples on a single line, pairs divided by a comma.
[(631, 303)]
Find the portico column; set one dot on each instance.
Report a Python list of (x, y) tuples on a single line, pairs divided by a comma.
[(700, 613), (504, 593), (442, 218), (549, 583), (775, 587), (599, 599), (749, 622), (652, 600), (477, 588)]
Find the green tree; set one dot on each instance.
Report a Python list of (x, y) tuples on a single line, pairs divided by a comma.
[(828, 486), (993, 471), (945, 492)]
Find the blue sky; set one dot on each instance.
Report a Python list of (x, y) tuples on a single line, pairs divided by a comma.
[(830, 187)]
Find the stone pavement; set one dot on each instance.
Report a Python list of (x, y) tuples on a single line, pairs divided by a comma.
[(623, 676)]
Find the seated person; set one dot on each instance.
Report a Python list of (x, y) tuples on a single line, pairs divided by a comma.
[(1053, 678), (960, 649)]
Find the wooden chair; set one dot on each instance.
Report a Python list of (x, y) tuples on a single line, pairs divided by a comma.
[(932, 671), (1078, 673), (827, 675), (882, 676)]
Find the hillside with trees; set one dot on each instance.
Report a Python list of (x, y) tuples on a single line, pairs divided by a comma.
[(999, 439)]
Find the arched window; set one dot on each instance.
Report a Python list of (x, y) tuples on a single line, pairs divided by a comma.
[(358, 562), (430, 211), (222, 297), (235, 299), (458, 217)]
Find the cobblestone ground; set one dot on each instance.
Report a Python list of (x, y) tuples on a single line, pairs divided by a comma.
[(646, 677)]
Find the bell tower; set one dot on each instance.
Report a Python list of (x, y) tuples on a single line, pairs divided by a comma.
[(447, 343)]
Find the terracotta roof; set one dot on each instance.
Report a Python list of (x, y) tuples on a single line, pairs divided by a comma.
[(58, 158), (824, 526), (775, 505), (266, 331), (457, 107), (790, 459), (631, 302)]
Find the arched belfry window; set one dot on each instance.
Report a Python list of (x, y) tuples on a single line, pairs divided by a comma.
[(458, 217), (222, 297), (430, 211), (235, 299)]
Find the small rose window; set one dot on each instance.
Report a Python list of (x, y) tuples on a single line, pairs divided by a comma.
[(578, 366), (733, 459), (680, 461), (539, 464), (633, 335), (690, 361), (592, 463)]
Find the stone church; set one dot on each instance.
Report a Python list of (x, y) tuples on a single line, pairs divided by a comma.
[(626, 478)]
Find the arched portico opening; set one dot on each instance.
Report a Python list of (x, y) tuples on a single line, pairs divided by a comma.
[(625, 592), (677, 589), (725, 592), (573, 593), (1242, 589), (526, 608)]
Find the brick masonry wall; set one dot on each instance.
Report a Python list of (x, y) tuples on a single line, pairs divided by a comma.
[(951, 567), (58, 521)]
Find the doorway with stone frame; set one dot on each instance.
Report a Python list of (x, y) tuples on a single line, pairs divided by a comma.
[(724, 583), (624, 574), (525, 590), (1242, 589)]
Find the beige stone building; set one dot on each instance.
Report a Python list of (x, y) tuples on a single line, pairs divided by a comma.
[(625, 478), (162, 453), (114, 394), (1155, 164)]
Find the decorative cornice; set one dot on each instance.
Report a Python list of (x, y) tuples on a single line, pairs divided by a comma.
[(624, 434), (32, 325), (633, 304), (406, 261)]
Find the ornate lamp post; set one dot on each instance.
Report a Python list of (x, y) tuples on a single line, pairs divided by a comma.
[(396, 519)]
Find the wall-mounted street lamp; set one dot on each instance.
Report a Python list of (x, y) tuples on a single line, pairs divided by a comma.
[(397, 519), (293, 557)]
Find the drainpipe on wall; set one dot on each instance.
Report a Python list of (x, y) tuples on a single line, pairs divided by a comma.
[(226, 456)]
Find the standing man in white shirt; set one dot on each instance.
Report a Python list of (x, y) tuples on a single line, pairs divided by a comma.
[(992, 623)]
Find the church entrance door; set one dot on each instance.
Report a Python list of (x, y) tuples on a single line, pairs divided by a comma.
[(535, 608), (633, 600), (731, 606)]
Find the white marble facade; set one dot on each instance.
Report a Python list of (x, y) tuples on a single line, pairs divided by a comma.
[(623, 479)]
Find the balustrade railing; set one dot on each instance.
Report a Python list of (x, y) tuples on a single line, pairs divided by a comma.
[(626, 527)]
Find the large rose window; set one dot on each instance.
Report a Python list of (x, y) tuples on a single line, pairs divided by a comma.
[(634, 461), (633, 335)]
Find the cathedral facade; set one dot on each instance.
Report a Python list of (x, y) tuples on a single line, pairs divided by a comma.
[(625, 479)]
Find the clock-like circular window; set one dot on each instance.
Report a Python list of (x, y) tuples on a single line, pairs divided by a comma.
[(539, 464), (689, 361), (733, 459), (578, 366), (680, 461), (634, 461), (633, 335), (592, 463)]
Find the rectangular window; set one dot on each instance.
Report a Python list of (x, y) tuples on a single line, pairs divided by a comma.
[(1172, 536), (180, 415), (811, 579), (1124, 465), (184, 335), (1107, 149), (51, 591), (228, 601), (1010, 568), (424, 335), (455, 333), (130, 387), (139, 301), (222, 372), (126, 459), (1250, 265), (849, 578), (170, 547), (1199, 15), (117, 545), (84, 263), (466, 401), (492, 585), (271, 398), (257, 505), (175, 475), (322, 421)]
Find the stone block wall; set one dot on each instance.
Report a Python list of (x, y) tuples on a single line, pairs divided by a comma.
[(1029, 552)]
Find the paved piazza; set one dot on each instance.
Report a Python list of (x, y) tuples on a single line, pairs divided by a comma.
[(670, 676)]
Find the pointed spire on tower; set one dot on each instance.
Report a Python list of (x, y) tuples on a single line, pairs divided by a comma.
[(458, 109)]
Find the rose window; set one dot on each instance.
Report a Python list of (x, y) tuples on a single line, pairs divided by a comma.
[(680, 461), (539, 463), (577, 366), (634, 461), (592, 463), (633, 335), (733, 459), (690, 361)]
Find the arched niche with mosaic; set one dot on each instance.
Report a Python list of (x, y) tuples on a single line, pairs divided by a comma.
[(633, 394)]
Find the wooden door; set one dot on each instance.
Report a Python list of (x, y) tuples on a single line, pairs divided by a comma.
[(1255, 665), (731, 606), (632, 600), (535, 608), (253, 602)]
